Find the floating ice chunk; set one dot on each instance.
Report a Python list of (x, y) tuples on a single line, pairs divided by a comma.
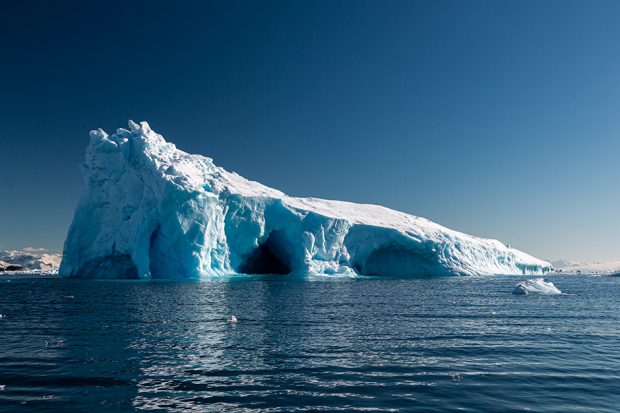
[(233, 320), (536, 285)]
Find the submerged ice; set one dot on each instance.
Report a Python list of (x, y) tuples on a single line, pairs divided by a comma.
[(153, 211)]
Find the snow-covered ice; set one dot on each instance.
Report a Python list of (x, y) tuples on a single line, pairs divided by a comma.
[(536, 285), (31, 260), (152, 211)]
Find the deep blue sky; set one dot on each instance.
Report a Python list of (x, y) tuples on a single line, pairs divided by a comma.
[(497, 118)]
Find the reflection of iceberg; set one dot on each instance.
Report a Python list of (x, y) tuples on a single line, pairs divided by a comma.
[(153, 211), (184, 350), (536, 285)]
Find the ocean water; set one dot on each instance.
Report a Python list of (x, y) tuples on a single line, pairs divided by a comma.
[(435, 344)]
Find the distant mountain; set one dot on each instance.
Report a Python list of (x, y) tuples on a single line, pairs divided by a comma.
[(571, 267), (29, 259)]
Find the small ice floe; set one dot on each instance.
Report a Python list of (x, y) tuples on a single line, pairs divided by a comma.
[(2, 387), (537, 286), (232, 320)]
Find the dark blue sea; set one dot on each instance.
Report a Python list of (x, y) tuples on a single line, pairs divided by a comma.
[(373, 345)]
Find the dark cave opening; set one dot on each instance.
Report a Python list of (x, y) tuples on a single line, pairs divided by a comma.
[(155, 255), (268, 258)]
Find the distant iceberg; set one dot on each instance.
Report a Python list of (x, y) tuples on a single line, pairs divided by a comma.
[(153, 211), (536, 285)]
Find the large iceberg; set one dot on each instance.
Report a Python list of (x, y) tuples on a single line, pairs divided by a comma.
[(153, 211)]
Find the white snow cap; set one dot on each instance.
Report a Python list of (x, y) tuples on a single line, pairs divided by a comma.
[(153, 211)]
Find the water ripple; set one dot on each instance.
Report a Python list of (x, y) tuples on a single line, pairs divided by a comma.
[(385, 345)]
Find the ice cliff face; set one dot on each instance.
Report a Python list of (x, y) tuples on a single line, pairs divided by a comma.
[(153, 211)]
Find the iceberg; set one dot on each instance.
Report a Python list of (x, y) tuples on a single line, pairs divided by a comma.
[(151, 211), (536, 285)]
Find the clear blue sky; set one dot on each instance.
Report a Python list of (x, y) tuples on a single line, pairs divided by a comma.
[(497, 118)]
